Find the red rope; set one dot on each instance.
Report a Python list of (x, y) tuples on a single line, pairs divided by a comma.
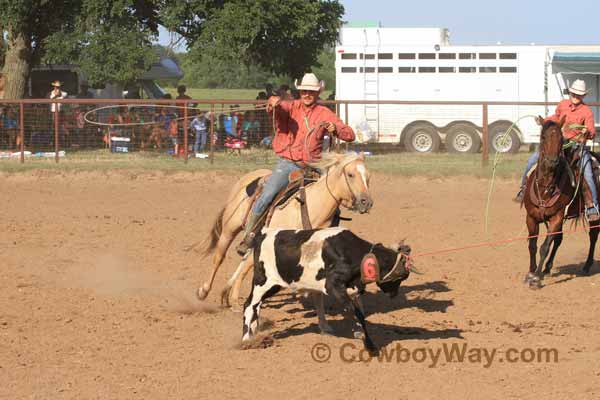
[(490, 244)]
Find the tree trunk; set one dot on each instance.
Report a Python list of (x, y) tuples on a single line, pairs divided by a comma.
[(16, 66)]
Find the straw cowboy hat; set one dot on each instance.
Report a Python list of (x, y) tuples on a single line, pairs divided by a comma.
[(56, 84), (310, 82), (578, 87)]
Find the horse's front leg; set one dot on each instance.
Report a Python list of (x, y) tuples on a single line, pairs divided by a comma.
[(534, 229), (553, 229), (594, 230), (556, 244)]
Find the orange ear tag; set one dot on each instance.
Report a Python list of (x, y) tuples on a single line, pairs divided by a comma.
[(369, 269)]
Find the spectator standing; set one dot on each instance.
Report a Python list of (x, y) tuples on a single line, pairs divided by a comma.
[(56, 93), (200, 127)]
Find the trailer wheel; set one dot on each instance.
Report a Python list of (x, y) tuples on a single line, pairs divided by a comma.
[(463, 138), (500, 142), (422, 138)]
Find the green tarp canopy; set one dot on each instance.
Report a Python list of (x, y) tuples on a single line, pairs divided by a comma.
[(576, 63)]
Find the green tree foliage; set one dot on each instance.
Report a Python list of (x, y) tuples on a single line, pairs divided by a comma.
[(283, 37), (214, 73), (109, 40)]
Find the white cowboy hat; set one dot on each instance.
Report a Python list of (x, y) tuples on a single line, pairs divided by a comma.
[(578, 87), (56, 83), (310, 82)]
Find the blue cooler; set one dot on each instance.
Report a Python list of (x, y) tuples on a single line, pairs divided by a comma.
[(120, 144)]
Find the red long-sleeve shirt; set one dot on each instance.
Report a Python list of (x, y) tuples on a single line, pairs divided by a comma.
[(580, 114), (300, 130)]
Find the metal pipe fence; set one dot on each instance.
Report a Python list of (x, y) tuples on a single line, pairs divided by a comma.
[(184, 128)]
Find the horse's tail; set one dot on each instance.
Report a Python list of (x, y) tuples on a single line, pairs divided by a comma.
[(210, 243)]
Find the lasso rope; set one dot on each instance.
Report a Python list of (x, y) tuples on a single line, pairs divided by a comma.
[(257, 107), (497, 158)]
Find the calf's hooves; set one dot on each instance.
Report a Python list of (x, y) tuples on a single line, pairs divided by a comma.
[(326, 330), (372, 349), (225, 298), (586, 269)]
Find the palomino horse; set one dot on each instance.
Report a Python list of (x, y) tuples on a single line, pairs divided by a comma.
[(548, 193), (345, 182)]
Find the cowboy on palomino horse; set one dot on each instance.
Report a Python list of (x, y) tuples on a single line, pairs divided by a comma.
[(301, 127), (344, 181), (575, 112)]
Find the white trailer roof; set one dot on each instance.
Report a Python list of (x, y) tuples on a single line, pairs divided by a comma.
[(350, 36)]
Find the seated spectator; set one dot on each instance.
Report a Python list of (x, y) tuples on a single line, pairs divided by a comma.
[(230, 123), (10, 127), (251, 127), (163, 128), (262, 96)]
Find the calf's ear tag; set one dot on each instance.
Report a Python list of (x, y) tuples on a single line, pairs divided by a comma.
[(369, 268)]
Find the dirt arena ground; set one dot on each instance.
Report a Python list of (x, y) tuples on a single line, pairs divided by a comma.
[(97, 300)]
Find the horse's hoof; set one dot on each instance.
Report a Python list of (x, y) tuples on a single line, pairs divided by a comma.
[(528, 278), (535, 283), (202, 292)]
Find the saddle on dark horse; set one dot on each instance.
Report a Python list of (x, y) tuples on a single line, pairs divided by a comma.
[(572, 175)]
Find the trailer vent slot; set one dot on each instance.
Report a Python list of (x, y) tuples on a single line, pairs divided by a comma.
[(406, 56)]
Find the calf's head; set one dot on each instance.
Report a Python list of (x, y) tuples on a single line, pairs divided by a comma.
[(392, 276)]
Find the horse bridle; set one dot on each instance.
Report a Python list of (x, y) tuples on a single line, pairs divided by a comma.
[(338, 202)]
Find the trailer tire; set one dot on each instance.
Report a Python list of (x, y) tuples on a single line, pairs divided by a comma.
[(463, 138), (422, 138), (500, 144)]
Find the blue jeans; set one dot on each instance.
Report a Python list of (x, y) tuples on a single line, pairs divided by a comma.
[(200, 141), (588, 174), (277, 181)]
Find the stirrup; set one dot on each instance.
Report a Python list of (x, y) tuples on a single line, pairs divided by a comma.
[(245, 245), (520, 195), (592, 213)]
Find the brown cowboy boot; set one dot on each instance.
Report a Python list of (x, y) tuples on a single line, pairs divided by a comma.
[(248, 241)]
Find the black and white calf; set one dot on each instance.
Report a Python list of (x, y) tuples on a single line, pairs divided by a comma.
[(321, 260)]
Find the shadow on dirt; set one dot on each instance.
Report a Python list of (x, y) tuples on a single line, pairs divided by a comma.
[(570, 272), (381, 334), (374, 303)]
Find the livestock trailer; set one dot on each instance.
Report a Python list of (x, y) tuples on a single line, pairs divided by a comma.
[(379, 64)]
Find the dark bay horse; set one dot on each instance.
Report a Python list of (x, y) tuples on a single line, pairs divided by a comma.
[(548, 193)]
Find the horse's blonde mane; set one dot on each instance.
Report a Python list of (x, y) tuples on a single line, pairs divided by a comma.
[(330, 159)]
